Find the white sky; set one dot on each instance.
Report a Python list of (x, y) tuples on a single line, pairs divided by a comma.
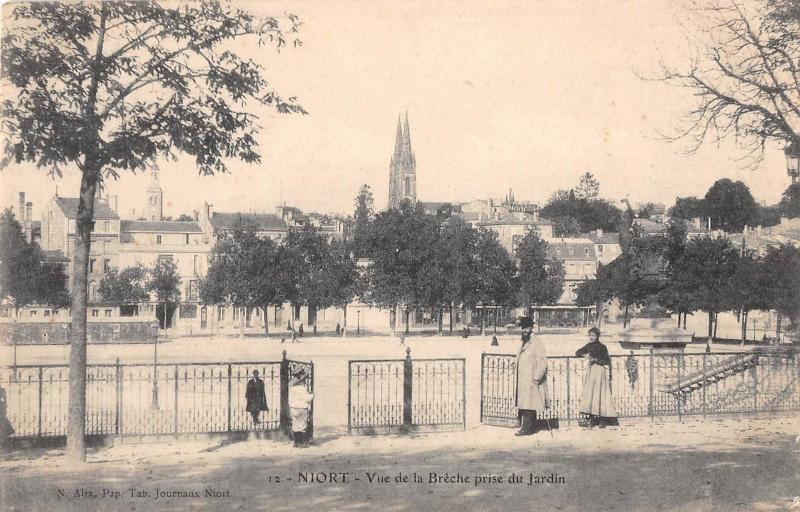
[(528, 95)]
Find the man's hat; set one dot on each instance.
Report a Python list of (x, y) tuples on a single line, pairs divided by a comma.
[(526, 322)]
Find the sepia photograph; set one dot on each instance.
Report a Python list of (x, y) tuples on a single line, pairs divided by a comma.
[(419, 255)]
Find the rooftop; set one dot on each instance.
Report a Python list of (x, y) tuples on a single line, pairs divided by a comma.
[(571, 249), (69, 205), (164, 226), (516, 218), (602, 238), (263, 221)]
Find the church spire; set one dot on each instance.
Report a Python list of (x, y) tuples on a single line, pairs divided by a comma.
[(406, 139), (398, 142)]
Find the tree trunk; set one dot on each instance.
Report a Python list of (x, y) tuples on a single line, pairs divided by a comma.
[(408, 313), (685, 314), (679, 319), (451, 319), (312, 317), (598, 307), (393, 318), (344, 321), (778, 327), (441, 315), (625, 317), (76, 426), (716, 315), (266, 320), (710, 327), (242, 313)]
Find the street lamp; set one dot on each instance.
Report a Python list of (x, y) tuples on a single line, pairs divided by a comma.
[(792, 152), (358, 325)]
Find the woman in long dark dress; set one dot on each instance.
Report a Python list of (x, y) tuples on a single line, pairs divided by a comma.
[(597, 406)]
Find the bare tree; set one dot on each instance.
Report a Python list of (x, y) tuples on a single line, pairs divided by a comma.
[(745, 76)]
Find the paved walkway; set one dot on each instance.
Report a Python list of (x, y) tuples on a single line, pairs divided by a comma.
[(726, 464)]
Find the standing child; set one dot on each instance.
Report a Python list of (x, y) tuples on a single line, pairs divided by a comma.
[(299, 406)]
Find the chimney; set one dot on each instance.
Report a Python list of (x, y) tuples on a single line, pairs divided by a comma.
[(112, 203), (29, 221), (21, 212), (599, 232), (196, 215)]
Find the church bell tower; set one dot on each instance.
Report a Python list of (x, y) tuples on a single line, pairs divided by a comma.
[(402, 168), (154, 210)]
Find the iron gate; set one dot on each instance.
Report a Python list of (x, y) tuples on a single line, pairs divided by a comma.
[(403, 395), (137, 400)]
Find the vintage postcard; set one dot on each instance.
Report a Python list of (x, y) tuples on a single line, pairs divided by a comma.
[(348, 255)]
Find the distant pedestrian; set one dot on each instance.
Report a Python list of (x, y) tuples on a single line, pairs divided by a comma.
[(289, 325), (294, 336), (338, 329), (402, 340), (531, 380), (494, 341), (256, 398), (6, 430), (283, 340), (300, 330), (299, 406), (597, 407)]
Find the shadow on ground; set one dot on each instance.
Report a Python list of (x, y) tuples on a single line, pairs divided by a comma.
[(757, 476)]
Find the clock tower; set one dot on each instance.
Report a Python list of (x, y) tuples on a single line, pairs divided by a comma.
[(155, 199)]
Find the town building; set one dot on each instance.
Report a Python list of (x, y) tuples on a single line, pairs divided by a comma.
[(579, 257)]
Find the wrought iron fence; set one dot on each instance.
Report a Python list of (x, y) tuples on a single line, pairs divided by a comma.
[(136, 399), (401, 395), (654, 385)]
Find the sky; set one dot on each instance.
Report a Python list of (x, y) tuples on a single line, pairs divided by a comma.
[(500, 95)]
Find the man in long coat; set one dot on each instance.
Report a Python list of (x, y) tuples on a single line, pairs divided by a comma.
[(531, 379), (256, 397)]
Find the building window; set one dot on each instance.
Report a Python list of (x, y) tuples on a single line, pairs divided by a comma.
[(106, 265), (196, 264), (235, 314), (600, 249), (220, 314), (586, 251), (33, 312), (108, 313), (92, 263), (558, 251), (408, 186), (92, 290), (192, 290), (46, 312), (95, 313), (107, 227), (571, 251), (187, 238), (158, 239)]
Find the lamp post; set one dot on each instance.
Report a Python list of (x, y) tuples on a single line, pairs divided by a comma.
[(358, 325), (792, 153)]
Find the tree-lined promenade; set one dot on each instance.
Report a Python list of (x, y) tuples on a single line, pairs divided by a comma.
[(415, 261)]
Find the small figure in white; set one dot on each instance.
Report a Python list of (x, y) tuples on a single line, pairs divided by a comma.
[(299, 406)]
